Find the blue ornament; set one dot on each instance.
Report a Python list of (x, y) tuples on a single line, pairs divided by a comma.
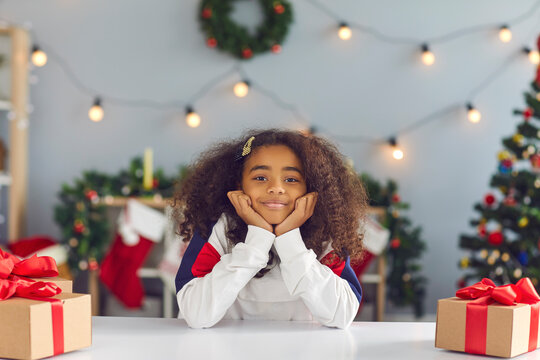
[(504, 169), (523, 258)]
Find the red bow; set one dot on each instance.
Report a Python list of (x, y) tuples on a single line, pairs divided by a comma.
[(12, 285), (523, 292)]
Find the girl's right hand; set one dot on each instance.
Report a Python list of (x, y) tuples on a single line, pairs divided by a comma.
[(242, 205)]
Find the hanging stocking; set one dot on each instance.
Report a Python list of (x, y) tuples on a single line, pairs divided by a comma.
[(375, 239), (139, 227)]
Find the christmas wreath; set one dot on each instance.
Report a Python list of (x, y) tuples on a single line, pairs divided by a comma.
[(225, 34)]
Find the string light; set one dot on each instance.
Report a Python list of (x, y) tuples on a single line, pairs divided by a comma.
[(96, 111), (473, 114), (39, 58), (397, 153), (428, 58), (534, 56), (505, 34), (192, 118), (344, 31), (241, 88)]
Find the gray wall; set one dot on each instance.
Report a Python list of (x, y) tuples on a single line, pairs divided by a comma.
[(154, 50)]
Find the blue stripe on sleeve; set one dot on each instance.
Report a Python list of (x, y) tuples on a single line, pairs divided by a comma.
[(184, 274), (349, 275)]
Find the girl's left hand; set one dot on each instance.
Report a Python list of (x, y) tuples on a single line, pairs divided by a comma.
[(303, 209)]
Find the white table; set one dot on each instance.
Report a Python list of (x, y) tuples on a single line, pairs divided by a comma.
[(156, 338)]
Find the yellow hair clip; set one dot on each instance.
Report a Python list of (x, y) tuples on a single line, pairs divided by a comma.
[(247, 146)]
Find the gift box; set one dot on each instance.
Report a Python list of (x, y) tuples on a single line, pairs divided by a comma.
[(39, 316), (484, 319), (28, 329)]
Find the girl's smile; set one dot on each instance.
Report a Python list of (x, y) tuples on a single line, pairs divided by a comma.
[(273, 178)]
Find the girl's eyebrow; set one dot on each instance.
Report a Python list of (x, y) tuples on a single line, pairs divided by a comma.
[(266, 167)]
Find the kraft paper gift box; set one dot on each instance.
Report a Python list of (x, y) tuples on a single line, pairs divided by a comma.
[(26, 326), (487, 326)]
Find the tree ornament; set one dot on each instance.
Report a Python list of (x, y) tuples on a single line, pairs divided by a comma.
[(92, 195), (505, 257), (482, 232), (406, 277), (395, 243), (276, 48), (491, 260), (483, 254), (206, 13), (510, 201), (518, 139), (527, 113), (93, 264), (535, 161), (498, 271), (504, 154), (489, 199), (211, 42), (78, 227), (523, 221), (73, 242), (518, 273), (495, 238), (395, 213), (83, 265), (495, 254), (126, 190), (523, 258), (229, 36), (396, 198), (464, 263)]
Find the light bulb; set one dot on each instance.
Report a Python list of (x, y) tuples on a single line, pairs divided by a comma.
[(39, 58), (344, 32), (397, 154), (534, 57), (473, 114), (241, 89), (428, 58), (96, 111), (505, 34), (192, 118)]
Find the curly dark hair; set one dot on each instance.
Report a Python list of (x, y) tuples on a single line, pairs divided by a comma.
[(341, 205)]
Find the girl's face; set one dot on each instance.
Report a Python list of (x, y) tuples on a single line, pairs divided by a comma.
[(273, 178)]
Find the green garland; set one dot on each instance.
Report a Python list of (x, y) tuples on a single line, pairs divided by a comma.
[(82, 212), (222, 32), (405, 284)]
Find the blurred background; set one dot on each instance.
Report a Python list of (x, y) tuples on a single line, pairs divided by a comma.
[(369, 76)]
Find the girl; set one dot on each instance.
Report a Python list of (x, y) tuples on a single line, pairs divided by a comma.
[(273, 219)]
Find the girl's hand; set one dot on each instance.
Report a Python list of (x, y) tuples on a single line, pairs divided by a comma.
[(303, 209), (242, 205)]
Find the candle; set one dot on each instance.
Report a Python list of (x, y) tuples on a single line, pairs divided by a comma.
[(148, 178)]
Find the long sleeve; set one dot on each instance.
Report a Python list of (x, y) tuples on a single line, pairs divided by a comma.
[(332, 299), (204, 300)]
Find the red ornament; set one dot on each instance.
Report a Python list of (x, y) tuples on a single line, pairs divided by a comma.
[(535, 161), (527, 113), (482, 230), (395, 243), (507, 163), (206, 13), (91, 195), (279, 9), (211, 42), (276, 48), (93, 265), (78, 227), (489, 199), (155, 183), (510, 201), (495, 238), (396, 198), (247, 53)]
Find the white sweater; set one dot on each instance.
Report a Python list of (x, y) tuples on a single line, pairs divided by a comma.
[(216, 281)]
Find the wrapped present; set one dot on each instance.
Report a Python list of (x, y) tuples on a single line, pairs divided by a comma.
[(490, 320), (38, 320)]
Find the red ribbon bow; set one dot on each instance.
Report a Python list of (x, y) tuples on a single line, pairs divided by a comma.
[(13, 285), (485, 293)]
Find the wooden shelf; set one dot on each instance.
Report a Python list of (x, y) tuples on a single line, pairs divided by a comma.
[(5, 179), (5, 105)]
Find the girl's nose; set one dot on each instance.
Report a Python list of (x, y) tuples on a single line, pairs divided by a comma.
[(275, 189)]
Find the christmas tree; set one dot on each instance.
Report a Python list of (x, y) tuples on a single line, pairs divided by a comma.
[(506, 244), (406, 286)]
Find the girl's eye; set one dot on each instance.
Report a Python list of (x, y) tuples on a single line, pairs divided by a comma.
[(291, 180), (259, 178)]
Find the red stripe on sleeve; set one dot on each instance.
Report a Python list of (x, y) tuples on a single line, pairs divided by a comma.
[(206, 260), (333, 261)]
